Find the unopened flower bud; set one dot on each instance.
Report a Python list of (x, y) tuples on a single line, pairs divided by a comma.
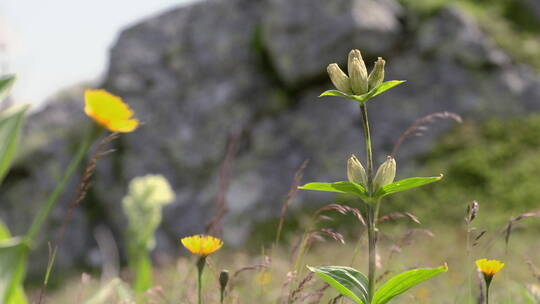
[(385, 174), (223, 281), (359, 81), (223, 278), (356, 172), (376, 77), (339, 78), (357, 73)]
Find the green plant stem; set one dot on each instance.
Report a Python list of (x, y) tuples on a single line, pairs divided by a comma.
[(487, 294), (369, 151), (201, 262), (46, 210), (372, 239), (372, 210), (469, 262)]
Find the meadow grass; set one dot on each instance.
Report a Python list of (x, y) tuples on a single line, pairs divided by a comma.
[(175, 280)]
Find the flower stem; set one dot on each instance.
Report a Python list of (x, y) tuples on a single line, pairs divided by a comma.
[(372, 210), (469, 261), (201, 262), (372, 240), (53, 199), (369, 151)]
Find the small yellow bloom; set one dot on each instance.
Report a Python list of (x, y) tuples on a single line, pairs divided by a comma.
[(489, 267), (202, 245), (109, 111)]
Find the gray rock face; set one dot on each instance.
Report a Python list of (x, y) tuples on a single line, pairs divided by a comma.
[(198, 73)]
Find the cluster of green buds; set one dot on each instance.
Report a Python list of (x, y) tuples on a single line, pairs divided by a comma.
[(385, 174), (358, 82)]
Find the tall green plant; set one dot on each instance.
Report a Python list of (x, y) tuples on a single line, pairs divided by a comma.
[(370, 187), (11, 248), (142, 206), (107, 110)]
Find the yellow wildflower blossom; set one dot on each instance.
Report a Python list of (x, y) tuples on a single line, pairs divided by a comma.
[(109, 111), (202, 245), (489, 267)]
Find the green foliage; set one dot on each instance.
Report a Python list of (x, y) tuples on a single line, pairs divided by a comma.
[(13, 251), (5, 86), (11, 123), (405, 281), (346, 280), (494, 162), (406, 184), (142, 206), (365, 97), (13, 255), (354, 285), (360, 191), (338, 187)]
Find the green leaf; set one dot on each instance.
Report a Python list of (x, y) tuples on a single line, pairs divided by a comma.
[(18, 296), (4, 232), (406, 184), (13, 259), (405, 281), (11, 122), (385, 86), (337, 94), (365, 97), (5, 86), (339, 187), (346, 280)]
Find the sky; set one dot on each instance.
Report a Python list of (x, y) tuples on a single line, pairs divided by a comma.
[(52, 44)]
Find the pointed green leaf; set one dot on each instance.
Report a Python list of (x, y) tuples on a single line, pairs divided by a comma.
[(11, 122), (346, 280), (339, 187), (385, 86), (406, 184), (405, 281), (336, 93), (5, 86), (4, 232), (13, 258), (18, 296)]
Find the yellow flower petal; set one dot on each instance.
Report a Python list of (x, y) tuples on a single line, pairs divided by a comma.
[(202, 244), (489, 267), (109, 111), (124, 126)]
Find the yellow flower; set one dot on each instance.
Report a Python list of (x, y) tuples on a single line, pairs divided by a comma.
[(489, 267), (202, 245), (109, 111)]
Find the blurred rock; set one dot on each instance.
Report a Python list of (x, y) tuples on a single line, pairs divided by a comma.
[(454, 34), (197, 74), (291, 32)]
